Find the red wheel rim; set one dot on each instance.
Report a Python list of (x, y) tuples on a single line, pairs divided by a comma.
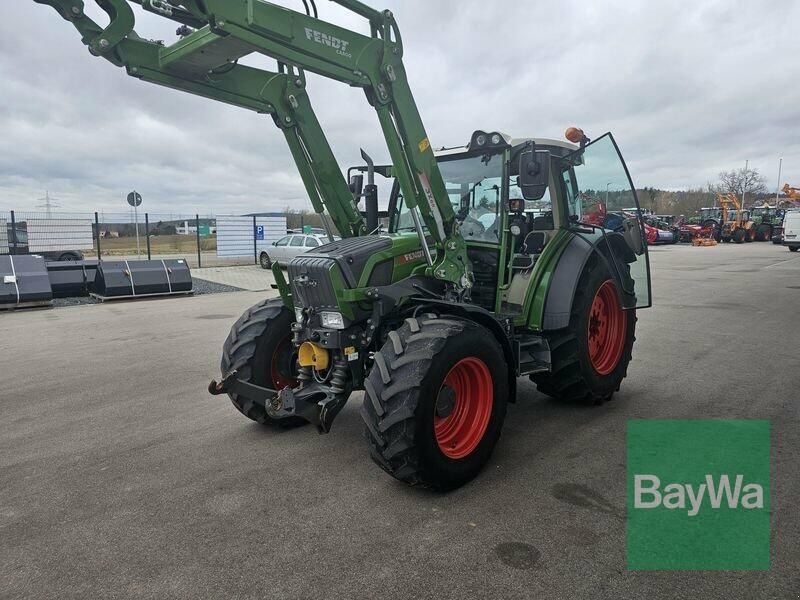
[(283, 365), (607, 328), (463, 408)]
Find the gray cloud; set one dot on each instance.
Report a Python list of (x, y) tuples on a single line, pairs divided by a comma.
[(688, 88)]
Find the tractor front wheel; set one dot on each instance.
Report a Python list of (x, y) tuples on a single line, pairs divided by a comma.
[(739, 236), (435, 401), (260, 349), (590, 357)]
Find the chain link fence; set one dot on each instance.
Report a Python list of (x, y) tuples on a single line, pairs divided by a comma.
[(203, 241)]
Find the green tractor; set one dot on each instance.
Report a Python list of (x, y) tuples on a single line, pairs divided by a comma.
[(503, 258), (767, 220)]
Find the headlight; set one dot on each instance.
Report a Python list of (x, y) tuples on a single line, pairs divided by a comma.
[(332, 320), (298, 314)]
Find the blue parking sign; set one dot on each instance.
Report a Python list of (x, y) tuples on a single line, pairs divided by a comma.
[(260, 232)]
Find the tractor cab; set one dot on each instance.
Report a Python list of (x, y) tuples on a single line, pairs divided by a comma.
[(508, 221)]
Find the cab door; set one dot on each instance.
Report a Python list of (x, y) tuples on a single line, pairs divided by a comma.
[(602, 205)]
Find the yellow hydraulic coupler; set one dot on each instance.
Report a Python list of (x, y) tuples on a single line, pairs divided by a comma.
[(311, 355)]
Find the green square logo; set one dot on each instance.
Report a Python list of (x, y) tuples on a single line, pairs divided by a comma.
[(698, 495)]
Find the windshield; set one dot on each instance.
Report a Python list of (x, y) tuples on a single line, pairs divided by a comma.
[(474, 187)]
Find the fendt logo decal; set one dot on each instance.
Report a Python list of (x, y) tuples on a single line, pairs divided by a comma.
[(404, 259), (341, 46)]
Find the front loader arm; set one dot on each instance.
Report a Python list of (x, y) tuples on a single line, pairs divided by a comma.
[(204, 62)]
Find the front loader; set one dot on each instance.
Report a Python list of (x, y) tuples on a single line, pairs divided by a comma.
[(503, 258)]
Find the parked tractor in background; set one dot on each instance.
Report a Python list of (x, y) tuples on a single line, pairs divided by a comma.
[(504, 257), (736, 224), (767, 220), (710, 221)]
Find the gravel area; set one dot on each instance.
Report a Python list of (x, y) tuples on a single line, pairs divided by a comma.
[(201, 286), (60, 302)]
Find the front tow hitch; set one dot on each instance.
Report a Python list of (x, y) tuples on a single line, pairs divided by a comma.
[(316, 403)]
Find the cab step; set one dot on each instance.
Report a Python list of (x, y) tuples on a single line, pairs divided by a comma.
[(532, 353)]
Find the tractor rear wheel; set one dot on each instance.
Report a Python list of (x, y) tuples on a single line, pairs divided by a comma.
[(739, 236), (435, 401), (714, 227), (764, 233), (259, 348), (590, 357)]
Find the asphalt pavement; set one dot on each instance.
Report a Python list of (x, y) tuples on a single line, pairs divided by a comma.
[(120, 477)]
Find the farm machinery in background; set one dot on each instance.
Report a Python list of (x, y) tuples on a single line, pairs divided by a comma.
[(657, 229), (667, 230), (699, 230), (726, 223), (768, 221), (792, 194), (503, 258), (736, 224)]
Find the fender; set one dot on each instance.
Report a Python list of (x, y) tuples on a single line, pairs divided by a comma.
[(568, 271), (483, 317)]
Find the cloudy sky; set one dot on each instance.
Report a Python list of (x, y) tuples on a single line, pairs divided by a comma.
[(688, 88)]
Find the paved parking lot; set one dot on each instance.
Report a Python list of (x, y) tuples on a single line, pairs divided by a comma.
[(121, 477)]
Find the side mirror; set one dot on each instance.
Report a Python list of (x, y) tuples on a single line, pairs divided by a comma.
[(356, 185), (534, 173)]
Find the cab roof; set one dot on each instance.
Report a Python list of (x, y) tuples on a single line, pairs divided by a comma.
[(514, 142)]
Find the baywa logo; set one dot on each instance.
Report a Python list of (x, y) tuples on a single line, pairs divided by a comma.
[(341, 46), (698, 495), (648, 494)]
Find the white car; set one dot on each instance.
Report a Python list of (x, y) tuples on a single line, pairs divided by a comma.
[(791, 230), (286, 248)]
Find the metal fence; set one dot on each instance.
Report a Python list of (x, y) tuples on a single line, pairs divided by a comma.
[(201, 240)]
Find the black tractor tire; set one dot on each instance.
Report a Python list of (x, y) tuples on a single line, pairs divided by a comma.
[(793, 248), (573, 376), (739, 236), (764, 233), (257, 350), (424, 425), (717, 231), (265, 261)]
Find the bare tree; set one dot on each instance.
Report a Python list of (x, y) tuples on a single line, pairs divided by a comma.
[(740, 181)]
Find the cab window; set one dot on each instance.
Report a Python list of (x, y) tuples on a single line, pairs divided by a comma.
[(474, 187)]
